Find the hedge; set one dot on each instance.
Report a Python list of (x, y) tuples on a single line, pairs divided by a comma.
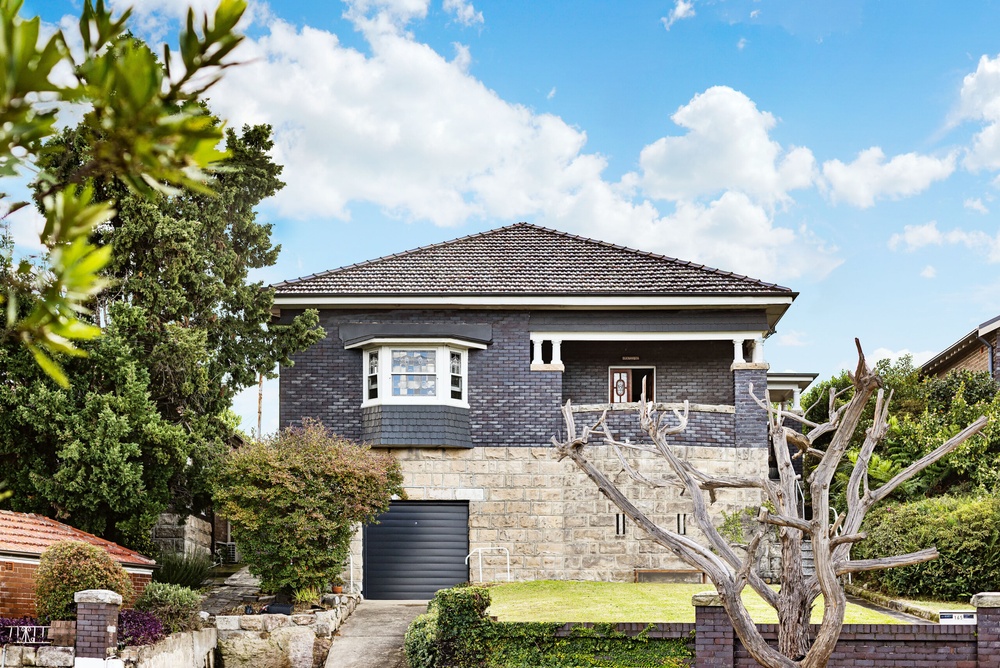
[(456, 632), (966, 532)]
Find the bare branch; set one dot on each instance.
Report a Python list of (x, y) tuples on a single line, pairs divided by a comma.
[(767, 517), (844, 567), (847, 538)]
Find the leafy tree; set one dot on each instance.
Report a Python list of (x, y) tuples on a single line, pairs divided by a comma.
[(145, 419), (295, 500), (154, 137)]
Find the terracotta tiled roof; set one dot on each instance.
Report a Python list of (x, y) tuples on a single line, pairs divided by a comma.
[(530, 260), (27, 533)]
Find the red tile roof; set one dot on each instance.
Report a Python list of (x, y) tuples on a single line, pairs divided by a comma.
[(528, 260), (27, 533)]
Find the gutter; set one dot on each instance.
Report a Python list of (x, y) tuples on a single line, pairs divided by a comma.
[(989, 361)]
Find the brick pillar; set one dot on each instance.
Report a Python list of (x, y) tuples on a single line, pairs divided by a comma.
[(988, 628), (714, 638), (751, 420), (96, 622)]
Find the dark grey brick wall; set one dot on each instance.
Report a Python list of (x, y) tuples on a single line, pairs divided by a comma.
[(416, 425), (697, 371), (751, 419), (509, 405)]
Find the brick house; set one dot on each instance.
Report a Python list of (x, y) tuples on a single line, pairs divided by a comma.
[(976, 351), (457, 357), (23, 538)]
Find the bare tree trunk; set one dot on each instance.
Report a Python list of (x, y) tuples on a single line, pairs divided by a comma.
[(831, 543)]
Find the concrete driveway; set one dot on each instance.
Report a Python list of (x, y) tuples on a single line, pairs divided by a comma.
[(372, 637)]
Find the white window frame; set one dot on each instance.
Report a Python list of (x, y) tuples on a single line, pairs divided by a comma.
[(443, 349)]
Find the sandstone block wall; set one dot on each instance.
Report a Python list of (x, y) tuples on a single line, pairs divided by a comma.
[(190, 536), (551, 517)]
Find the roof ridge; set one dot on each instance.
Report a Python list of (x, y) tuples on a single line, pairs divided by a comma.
[(539, 228)]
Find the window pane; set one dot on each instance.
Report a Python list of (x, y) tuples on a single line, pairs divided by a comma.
[(456, 364), (456, 387), (372, 364), (414, 385), (414, 361)]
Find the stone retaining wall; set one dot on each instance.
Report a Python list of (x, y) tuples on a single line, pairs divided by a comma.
[(281, 641)]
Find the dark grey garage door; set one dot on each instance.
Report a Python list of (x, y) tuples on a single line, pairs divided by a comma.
[(416, 548)]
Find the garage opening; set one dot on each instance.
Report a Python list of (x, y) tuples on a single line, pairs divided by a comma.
[(416, 548)]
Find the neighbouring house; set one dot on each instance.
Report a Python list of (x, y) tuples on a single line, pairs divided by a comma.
[(23, 538), (976, 351), (458, 357)]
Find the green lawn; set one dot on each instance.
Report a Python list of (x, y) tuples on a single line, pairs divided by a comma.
[(573, 601)]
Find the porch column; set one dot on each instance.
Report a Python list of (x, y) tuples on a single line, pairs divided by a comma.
[(536, 351), (556, 351)]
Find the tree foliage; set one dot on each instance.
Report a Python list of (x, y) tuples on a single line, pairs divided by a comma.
[(965, 530), (155, 137), (926, 411), (294, 501)]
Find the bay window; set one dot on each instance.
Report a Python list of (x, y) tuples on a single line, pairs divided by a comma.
[(419, 373)]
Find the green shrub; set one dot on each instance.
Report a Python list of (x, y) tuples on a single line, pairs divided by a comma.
[(71, 566), (174, 605), (966, 532), (295, 500), (420, 643), (456, 633), (186, 570), (462, 626)]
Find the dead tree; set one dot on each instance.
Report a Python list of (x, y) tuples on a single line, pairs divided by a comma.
[(729, 571)]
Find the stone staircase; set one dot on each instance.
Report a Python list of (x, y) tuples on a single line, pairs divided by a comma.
[(808, 558)]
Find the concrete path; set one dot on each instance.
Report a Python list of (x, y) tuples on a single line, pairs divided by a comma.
[(372, 637)]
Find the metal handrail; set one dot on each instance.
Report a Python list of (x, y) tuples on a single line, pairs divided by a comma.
[(480, 550)]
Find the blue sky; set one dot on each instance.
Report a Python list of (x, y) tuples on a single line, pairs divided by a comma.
[(849, 150)]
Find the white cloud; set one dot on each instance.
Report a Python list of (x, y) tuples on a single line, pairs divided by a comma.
[(157, 19), (793, 339), (928, 272), (406, 130), (919, 357), (683, 9), (915, 237), (742, 43), (975, 205), (755, 13), (979, 100), (727, 147), (870, 177), (25, 225), (552, 94), (463, 11)]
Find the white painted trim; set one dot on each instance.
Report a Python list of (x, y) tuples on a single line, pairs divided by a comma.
[(442, 375), (536, 301), (392, 341), (18, 560), (986, 328), (645, 336)]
